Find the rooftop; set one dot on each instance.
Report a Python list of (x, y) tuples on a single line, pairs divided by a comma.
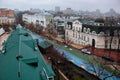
[(20, 58)]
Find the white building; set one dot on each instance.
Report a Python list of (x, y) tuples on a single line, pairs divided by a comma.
[(2, 31), (37, 18), (68, 11), (96, 36), (57, 9)]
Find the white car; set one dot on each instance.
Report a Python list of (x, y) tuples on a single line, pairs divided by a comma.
[(65, 46), (85, 51)]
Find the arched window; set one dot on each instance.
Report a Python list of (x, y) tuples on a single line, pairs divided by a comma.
[(101, 33), (115, 33), (115, 42)]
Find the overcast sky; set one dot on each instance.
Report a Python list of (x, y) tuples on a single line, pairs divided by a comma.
[(91, 5)]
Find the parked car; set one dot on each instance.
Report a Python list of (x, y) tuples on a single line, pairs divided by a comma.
[(65, 46), (107, 58), (86, 51)]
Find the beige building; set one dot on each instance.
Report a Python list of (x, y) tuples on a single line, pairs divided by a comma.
[(94, 35), (7, 20), (6, 16)]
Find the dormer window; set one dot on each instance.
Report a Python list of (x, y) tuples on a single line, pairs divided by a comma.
[(84, 30), (93, 32), (88, 30), (101, 33)]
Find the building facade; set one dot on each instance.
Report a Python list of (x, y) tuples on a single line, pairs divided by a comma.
[(93, 35), (59, 24), (57, 9), (6, 16), (37, 18)]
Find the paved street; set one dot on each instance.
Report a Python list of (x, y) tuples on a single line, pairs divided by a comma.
[(95, 58), (2, 38), (100, 52)]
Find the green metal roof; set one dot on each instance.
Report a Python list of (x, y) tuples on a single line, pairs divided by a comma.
[(44, 44), (20, 58)]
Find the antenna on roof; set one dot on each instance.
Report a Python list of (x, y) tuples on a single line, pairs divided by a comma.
[(3, 50)]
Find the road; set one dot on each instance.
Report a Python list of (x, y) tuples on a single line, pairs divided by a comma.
[(3, 38)]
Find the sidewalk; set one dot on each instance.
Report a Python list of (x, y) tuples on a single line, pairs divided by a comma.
[(77, 46)]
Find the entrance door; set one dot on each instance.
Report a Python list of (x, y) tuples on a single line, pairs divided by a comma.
[(93, 42)]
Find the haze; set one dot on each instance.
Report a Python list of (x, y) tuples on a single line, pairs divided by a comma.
[(91, 5)]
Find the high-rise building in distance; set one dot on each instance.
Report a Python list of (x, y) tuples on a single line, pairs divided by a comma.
[(57, 9)]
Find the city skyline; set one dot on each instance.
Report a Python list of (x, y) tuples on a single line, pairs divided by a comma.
[(90, 5)]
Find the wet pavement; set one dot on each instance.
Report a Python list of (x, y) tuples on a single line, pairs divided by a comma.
[(102, 52), (98, 52)]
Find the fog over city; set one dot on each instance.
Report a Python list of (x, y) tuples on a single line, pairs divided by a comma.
[(90, 5)]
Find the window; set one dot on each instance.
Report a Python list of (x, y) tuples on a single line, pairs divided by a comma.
[(84, 38), (115, 41), (69, 26), (106, 43), (115, 33), (88, 39), (88, 30), (101, 33), (76, 28), (76, 35), (108, 33), (79, 36), (73, 28), (79, 29)]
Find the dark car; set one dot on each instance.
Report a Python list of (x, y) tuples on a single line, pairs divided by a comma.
[(107, 58)]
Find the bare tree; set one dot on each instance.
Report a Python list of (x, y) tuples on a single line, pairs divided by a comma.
[(39, 28), (68, 41), (102, 67), (51, 30)]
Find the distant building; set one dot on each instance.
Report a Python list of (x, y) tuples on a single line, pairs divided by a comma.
[(6, 16), (20, 58), (38, 18), (96, 35), (35, 10), (57, 9), (60, 23), (69, 11)]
